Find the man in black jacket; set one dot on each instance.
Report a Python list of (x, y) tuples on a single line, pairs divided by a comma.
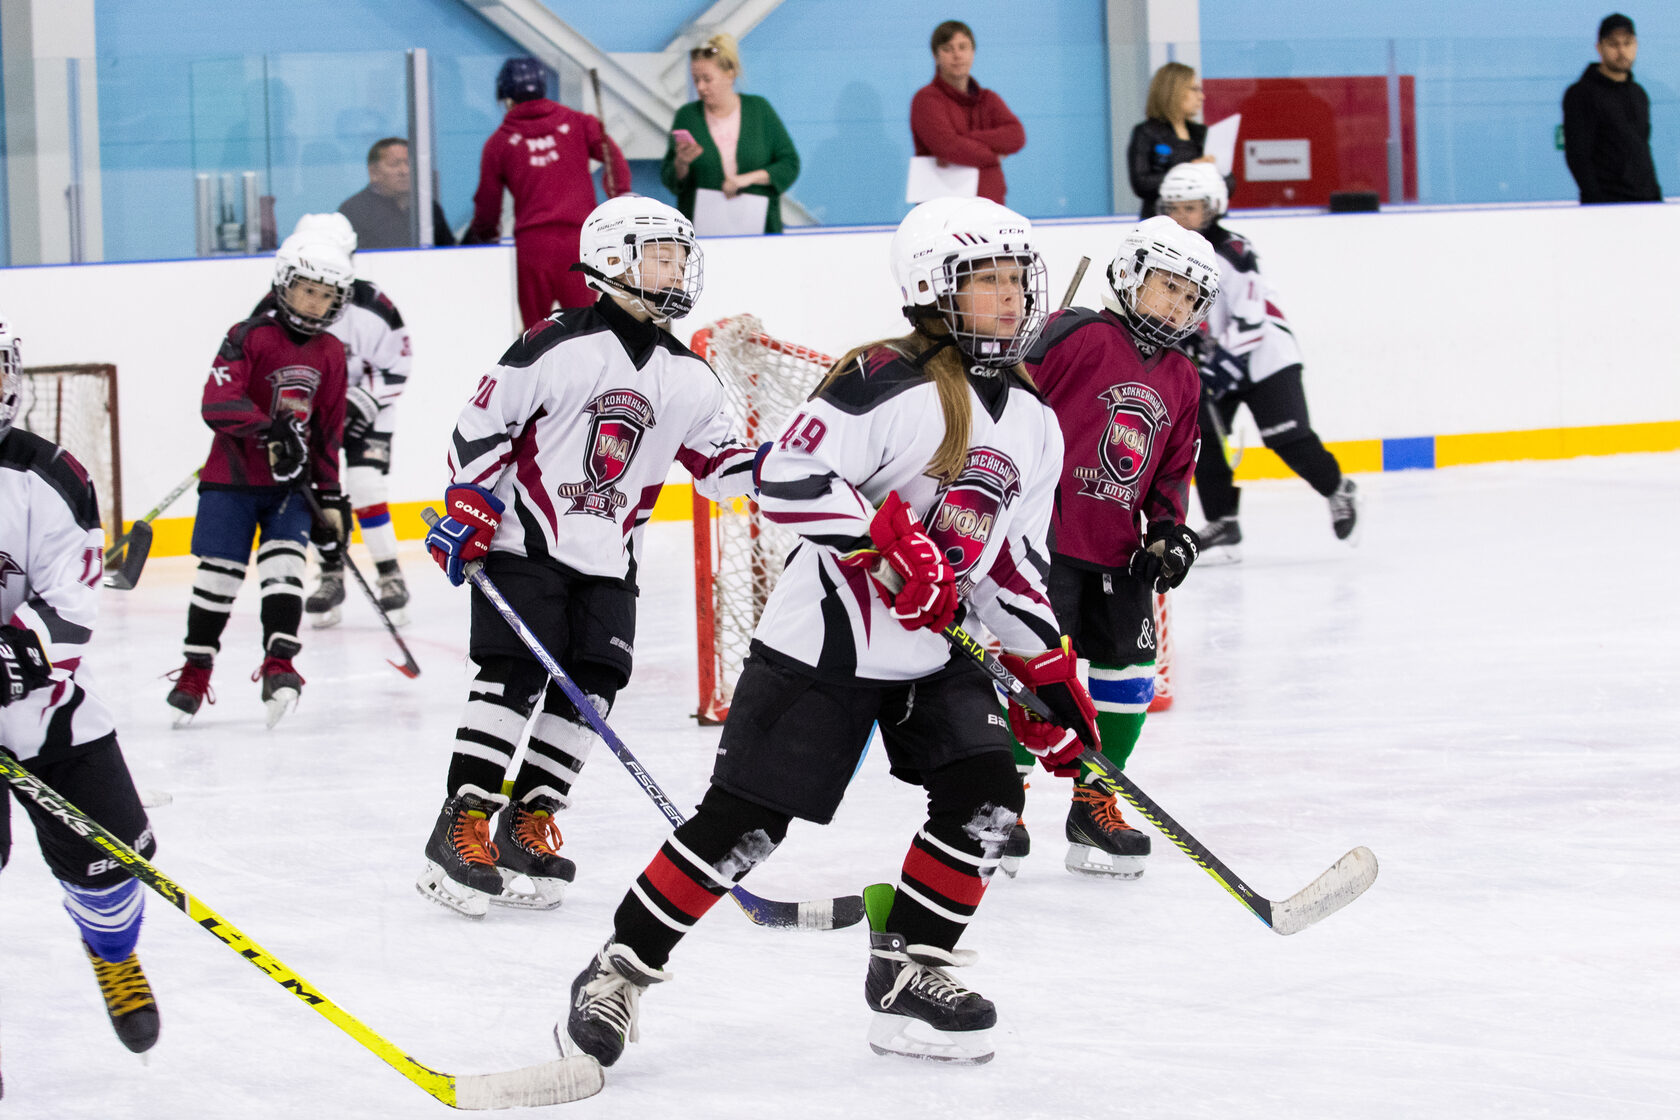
[(1607, 123)]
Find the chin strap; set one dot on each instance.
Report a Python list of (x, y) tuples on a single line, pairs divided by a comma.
[(635, 295)]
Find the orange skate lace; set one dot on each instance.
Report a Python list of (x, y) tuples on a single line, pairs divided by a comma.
[(472, 839), (536, 830), (121, 983), (1105, 809)]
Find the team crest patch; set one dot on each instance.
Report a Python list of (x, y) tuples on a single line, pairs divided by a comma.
[(294, 391), (961, 522), (1136, 416), (618, 421)]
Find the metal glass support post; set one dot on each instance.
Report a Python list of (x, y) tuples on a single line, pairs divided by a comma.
[(1396, 150), (420, 148), (204, 214), (73, 192)]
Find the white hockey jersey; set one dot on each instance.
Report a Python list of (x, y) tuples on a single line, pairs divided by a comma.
[(51, 563), (575, 431), (874, 431), (1245, 318)]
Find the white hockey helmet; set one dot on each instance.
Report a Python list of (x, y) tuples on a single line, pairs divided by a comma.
[(611, 253), (1159, 243), (11, 376), (333, 228), (1197, 182), (944, 241), (317, 260)]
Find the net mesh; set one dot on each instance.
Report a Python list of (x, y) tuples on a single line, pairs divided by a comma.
[(76, 407), (739, 555)]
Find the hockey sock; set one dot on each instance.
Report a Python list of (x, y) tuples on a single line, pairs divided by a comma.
[(379, 533), (972, 805), (280, 567), (1309, 458), (709, 853), (1121, 694), (369, 487), (561, 739), (109, 917), (214, 589), (499, 702)]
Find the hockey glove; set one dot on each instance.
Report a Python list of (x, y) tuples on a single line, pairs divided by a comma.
[(465, 534), (1167, 553), (23, 664), (331, 532), (928, 595), (1054, 676), (288, 449), (1222, 371), (360, 411)]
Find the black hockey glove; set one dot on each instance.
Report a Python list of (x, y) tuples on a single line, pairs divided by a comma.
[(23, 664), (1222, 371), (331, 531), (288, 449), (1167, 553), (360, 411)]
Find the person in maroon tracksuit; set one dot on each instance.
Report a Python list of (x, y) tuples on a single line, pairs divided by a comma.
[(954, 119), (541, 153), (1128, 405)]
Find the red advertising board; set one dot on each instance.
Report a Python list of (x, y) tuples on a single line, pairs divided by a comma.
[(1302, 138)]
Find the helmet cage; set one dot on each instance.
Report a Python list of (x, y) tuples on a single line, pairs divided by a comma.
[(286, 273), (622, 268), (1127, 276), (11, 378), (991, 351)]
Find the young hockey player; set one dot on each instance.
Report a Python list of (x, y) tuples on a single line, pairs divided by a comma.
[(931, 460), (50, 560), (1127, 406), (379, 357), (1248, 355), (556, 462), (275, 399)]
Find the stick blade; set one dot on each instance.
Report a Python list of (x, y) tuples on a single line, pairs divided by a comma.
[(556, 1082), (818, 914), (1347, 879), (409, 668), (132, 552)]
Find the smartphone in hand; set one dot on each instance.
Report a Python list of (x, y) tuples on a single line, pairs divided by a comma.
[(682, 136)]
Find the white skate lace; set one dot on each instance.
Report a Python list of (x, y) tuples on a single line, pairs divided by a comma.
[(611, 999), (926, 979)]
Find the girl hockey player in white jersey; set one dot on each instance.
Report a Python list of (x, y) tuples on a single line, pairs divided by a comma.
[(933, 454), (557, 460), (50, 567), (1248, 355)]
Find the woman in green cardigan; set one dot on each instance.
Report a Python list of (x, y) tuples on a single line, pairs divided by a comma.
[(727, 141)]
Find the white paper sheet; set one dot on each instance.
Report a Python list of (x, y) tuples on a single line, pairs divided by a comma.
[(1221, 142), (716, 215), (929, 180)]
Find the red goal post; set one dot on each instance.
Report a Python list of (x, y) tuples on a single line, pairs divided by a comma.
[(75, 406)]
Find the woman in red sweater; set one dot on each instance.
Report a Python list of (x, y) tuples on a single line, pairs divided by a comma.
[(953, 118)]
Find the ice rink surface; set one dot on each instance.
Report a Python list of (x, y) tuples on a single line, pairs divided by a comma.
[(1484, 693)]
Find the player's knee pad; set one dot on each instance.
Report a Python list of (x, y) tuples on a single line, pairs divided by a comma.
[(731, 834), (510, 682), (108, 917), (981, 796), (280, 568), (372, 452), (599, 684), (216, 584), (367, 487)]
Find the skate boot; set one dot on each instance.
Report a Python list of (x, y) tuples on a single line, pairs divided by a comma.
[(282, 684), (128, 1000), (602, 1017), (534, 873), (920, 1012), (460, 859), (1344, 511), (325, 607), (393, 593), (192, 688), (1100, 842), (1015, 849), (1221, 542)]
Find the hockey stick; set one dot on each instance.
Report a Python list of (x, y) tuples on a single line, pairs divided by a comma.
[(129, 551), (1073, 287), (608, 183), (823, 913), (1232, 459), (556, 1082), (409, 668)]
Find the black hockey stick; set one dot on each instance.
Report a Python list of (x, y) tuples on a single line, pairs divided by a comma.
[(822, 913), (127, 557), (409, 668), (556, 1082)]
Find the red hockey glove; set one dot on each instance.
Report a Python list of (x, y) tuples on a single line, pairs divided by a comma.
[(1054, 676), (928, 596), (465, 534)]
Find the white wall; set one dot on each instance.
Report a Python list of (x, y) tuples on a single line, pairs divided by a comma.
[(1413, 323)]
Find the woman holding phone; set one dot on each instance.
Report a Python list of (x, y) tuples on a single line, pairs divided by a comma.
[(727, 141)]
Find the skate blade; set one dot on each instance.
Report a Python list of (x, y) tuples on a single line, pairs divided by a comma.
[(1352, 539), (182, 719), (1010, 866), (903, 1037), (283, 701), (323, 620), (1082, 859), (1220, 554), (529, 892), (433, 884), (398, 616)]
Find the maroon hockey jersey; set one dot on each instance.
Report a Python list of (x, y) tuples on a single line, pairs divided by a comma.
[(541, 153), (1129, 431), (261, 369)]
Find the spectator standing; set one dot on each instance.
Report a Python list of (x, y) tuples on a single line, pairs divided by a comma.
[(1167, 136), (954, 119), (541, 154), (379, 211), (727, 141), (1607, 123)]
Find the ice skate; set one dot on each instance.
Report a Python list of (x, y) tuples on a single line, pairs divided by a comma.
[(605, 995), (1015, 849), (326, 607), (1100, 842), (1221, 542), (1344, 512), (920, 1012), (192, 688), (534, 873), (461, 870), (393, 594), (128, 1000), (282, 684)]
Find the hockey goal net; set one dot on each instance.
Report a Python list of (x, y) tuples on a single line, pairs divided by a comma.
[(75, 406), (738, 555)]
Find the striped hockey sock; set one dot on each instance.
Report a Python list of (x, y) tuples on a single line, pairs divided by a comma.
[(679, 887), (109, 917), (945, 875), (1121, 694)]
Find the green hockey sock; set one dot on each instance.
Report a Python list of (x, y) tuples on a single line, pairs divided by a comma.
[(1122, 694)]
